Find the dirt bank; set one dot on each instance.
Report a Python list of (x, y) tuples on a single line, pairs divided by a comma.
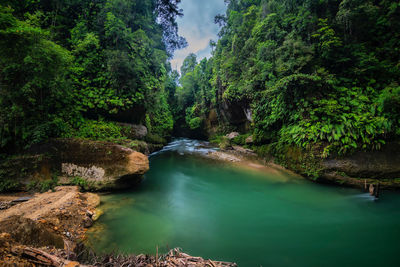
[(52, 221)]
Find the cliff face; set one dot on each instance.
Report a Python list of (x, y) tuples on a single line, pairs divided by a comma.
[(384, 163), (229, 115), (358, 169)]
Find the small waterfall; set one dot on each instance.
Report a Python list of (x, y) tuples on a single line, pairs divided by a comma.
[(249, 114)]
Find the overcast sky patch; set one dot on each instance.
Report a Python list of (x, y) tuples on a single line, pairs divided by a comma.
[(197, 26)]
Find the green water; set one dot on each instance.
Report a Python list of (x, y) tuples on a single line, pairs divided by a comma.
[(221, 212)]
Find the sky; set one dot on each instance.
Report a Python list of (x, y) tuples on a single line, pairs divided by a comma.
[(198, 27)]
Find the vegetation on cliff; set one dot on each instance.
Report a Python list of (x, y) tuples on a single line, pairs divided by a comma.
[(301, 73)]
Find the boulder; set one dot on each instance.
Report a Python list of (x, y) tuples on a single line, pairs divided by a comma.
[(103, 165), (249, 140), (133, 131), (99, 165), (232, 135)]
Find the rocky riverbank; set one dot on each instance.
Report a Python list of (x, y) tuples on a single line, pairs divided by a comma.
[(363, 169)]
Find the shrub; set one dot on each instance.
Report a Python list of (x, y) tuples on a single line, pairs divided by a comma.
[(99, 130), (240, 139), (8, 185), (82, 183), (43, 186)]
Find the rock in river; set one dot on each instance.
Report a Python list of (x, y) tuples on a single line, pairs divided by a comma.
[(232, 135), (99, 165), (103, 165)]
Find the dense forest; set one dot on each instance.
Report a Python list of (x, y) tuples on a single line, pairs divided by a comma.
[(315, 74), (301, 73), (210, 157), (69, 68)]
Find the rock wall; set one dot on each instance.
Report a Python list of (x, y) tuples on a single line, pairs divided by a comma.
[(383, 164), (358, 169)]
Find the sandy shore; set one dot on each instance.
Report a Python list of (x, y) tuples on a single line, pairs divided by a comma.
[(245, 158)]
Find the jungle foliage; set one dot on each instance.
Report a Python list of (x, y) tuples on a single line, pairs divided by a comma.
[(65, 64), (195, 94), (314, 72)]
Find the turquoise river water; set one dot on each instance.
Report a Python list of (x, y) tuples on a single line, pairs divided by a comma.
[(254, 218)]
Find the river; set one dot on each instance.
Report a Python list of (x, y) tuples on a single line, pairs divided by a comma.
[(254, 218)]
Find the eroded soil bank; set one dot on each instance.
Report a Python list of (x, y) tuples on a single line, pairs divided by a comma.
[(45, 229)]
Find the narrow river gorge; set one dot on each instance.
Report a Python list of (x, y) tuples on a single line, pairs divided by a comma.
[(254, 218)]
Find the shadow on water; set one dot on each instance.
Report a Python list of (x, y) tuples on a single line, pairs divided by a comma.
[(219, 211)]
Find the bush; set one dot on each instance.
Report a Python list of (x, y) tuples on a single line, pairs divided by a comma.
[(195, 123), (216, 139), (343, 119), (240, 139), (99, 130), (82, 183), (8, 185), (263, 150), (225, 143), (43, 186)]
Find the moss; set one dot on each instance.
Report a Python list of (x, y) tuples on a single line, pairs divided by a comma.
[(215, 139), (240, 139), (297, 159), (392, 183), (137, 145), (155, 139), (263, 151), (84, 185)]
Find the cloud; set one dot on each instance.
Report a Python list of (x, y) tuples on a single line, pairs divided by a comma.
[(197, 26)]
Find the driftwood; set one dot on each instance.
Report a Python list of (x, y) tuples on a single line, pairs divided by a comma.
[(173, 258), (177, 258), (41, 257)]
